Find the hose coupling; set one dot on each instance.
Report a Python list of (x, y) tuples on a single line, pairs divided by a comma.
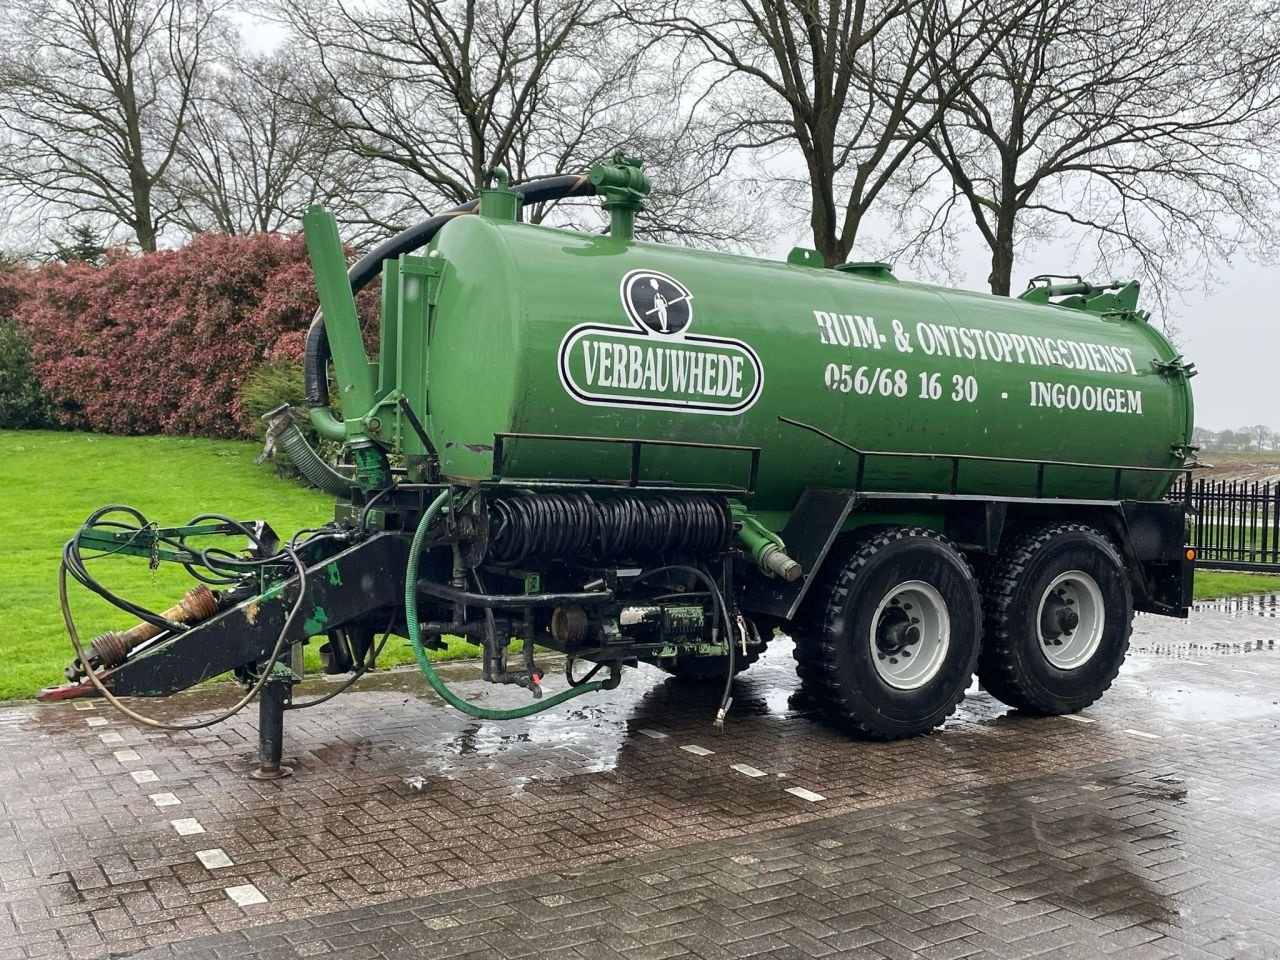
[(764, 546), (531, 682), (774, 560)]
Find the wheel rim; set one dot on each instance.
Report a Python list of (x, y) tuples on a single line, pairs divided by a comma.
[(1071, 620), (910, 635)]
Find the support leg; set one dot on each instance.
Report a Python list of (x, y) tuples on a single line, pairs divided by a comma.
[(276, 692)]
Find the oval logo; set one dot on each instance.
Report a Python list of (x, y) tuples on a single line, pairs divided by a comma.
[(657, 363)]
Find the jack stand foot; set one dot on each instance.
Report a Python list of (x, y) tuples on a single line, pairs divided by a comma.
[(276, 692), (279, 773)]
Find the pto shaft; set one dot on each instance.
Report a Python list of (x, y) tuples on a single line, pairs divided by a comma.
[(113, 648)]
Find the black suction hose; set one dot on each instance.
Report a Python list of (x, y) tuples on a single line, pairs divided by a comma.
[(316, 356)]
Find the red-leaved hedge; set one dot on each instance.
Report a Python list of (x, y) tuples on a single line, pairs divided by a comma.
[(160, 343)]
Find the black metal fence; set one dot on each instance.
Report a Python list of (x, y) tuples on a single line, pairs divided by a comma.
[(1236, 523)]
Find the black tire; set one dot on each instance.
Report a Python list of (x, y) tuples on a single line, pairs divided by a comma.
[(1022, 638), (837, 654), (713, 669)]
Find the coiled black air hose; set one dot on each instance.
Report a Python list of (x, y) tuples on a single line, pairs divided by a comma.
[(618, 526)]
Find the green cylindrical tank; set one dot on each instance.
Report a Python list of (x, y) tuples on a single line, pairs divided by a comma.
[(553, 332)]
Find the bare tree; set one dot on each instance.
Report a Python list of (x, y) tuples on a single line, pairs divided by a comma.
[(94, 95), (1138, 125), (437, 92), (251, 157), (1261, 434), (836, 78), (1204, 437)]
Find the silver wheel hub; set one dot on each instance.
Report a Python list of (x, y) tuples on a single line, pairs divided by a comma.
[(910, 635), (1071, 620)]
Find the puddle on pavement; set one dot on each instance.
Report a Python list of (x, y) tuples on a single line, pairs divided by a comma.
[(1190, 649), (544, 747), (1086, 851), (546, 752), (1253, 605), (1210, 702), (1167, 789), (591, 738), (1233, 625)]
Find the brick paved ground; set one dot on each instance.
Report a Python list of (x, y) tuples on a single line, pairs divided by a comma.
[(1151, 830)]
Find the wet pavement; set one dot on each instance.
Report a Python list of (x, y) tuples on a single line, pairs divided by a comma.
[(624, 825)]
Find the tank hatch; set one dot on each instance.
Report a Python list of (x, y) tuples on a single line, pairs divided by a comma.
[(870, 269)]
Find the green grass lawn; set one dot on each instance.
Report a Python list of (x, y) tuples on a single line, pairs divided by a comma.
[(1217, 583), (52, 481)]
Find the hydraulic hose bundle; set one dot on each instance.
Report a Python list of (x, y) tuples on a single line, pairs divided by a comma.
[(429, 518), (223, 564)]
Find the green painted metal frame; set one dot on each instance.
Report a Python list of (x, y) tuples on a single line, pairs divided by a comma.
[(148, 541)]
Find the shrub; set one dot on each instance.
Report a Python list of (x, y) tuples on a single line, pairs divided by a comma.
[(272, 383), (164, 342), (13, 285), (23, 403)]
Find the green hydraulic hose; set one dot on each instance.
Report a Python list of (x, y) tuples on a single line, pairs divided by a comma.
[(419, 651)]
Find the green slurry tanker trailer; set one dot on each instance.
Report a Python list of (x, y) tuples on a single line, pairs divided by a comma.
[(631, 452)]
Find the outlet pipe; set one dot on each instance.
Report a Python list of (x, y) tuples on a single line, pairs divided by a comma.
[(284, 433)]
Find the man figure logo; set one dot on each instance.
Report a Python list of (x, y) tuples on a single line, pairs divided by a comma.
[(659, 305), (656, 302)]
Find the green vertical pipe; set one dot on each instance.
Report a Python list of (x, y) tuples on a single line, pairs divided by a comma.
[(341, 324)]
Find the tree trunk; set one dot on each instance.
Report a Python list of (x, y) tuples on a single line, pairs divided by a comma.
[(143, 227), (1001, 278), (824, 218), (826, 239), (144, 224)]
